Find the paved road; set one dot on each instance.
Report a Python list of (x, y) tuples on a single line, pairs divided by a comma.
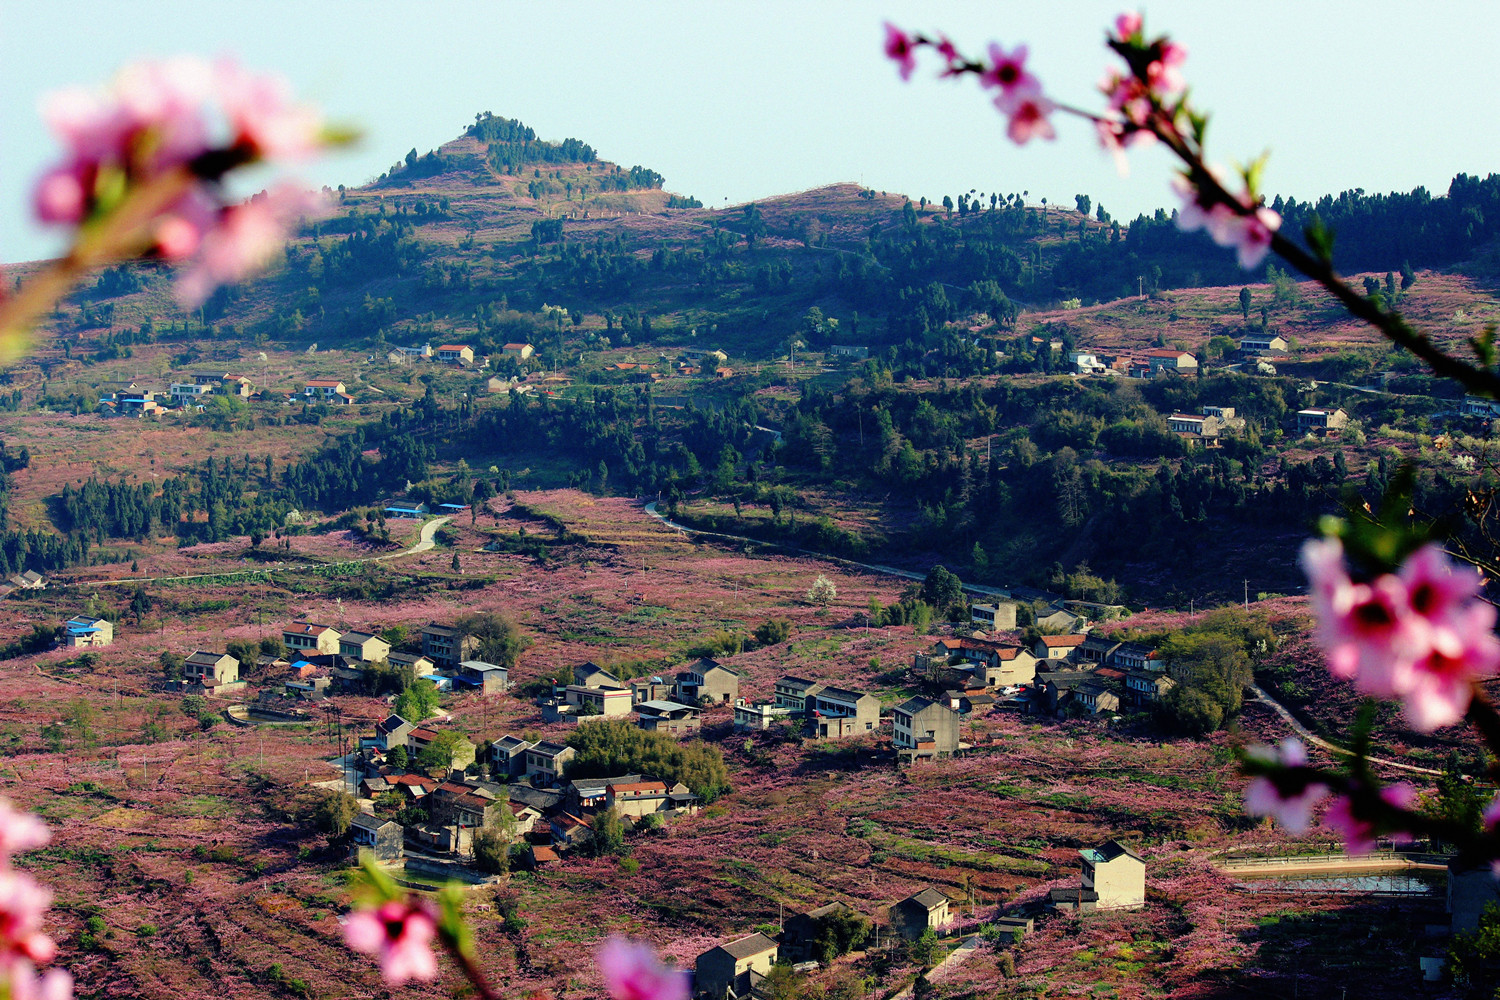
[(965, 949), (425, 541), (1318, 741)]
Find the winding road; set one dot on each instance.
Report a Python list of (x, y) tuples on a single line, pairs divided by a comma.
[(1318, 741)]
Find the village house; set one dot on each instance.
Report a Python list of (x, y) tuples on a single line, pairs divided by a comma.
[(1170, 361), (141, 405), (446, 646), (1262, 343), (1194, 425), (1096, 649), (489, 678), (838, 712), (508, 756), (915, 914), (1052, 690), (419, 665), (383, 838), (87, 631), (668, 717), (518, 351), (326, 389), (592, 675), (759, 717), (924, 728), (187, 393), (364, 647), (392, 732), (1481, 406), (1056, 647), (547, 762), (734, 969), (411, 787), (28, 580), (793, 693), (1146, 687), (643, 689), (213, 672), (704, 356), (456, 354), (1057, 619), (1116, 874), (310, 637), (635, 799), (463, 749), (1135, 656), (608, 702), (1095, 696), (569, 831), (802, 931), (1086, 363), (854, 352), (589, 795), (705, 681), (404, 509), (1321, 421), (1228, 422), (994, 617)]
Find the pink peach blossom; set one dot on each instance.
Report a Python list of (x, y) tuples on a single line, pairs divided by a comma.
[(1128, 25), (1358, 833), (20, 831), (23, 904), (1491, 814), (1028, 116), (400, 935), (244, 240), (633, 972), (1008, 72), (1164, 75), (900, 48), (26, 983), (1289, 801), (263, 115)]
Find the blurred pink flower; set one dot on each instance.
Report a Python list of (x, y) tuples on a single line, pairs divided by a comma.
[(1128, 25), (1491, 814), (633, 972), (400, 935), (1358, 833), (1114, 140), (178, 114), (900, 48), (23, 904), (26, 984), (1289, 802), (1420, 634), (245, 239), (1250, 235), (1028, 116), (1008, 72), (949, 52), (20, 831), (1164, 75), (264, 117)]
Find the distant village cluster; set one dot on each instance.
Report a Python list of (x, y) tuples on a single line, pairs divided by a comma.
[(424, 793)]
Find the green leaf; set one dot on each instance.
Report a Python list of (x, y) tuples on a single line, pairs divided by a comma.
[(451, 922), (1319, 239), (1253, 174), (1484, 346)]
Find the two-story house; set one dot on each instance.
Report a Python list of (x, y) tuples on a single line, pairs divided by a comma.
[(518, 351), (705, 681), (734, 969), (547, 762), (508, 756), (921, 727), (1116, 874), (456, 354), (488, 678), (838, 712), (1056, 647), (310, 637), (1322, 421), (1170, 361), (668, 717), (447, 646), (323, 388), (87, 631), (793, 693), (364, 647), (914, 915)]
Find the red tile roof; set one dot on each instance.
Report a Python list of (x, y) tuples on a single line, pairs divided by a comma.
[(454, 347), (1062, 641)]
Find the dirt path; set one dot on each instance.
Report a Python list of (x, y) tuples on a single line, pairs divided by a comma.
[(426, 539), (1333, 748)]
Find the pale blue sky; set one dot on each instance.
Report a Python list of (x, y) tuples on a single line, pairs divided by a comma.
[(739, 101)]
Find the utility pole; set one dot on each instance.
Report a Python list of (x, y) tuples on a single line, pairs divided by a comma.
[(1247, 593)]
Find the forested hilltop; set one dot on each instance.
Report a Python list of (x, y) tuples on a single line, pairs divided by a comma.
[(899, 378)]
